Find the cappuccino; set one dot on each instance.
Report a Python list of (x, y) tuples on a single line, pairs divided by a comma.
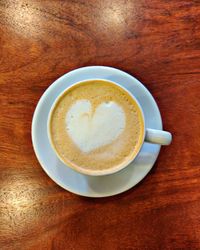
[(96, 125)]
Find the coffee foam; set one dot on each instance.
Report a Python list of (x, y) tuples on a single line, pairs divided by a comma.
[(80, 107), (91, 129)]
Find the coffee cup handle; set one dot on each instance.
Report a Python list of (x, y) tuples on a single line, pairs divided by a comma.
[(158, 136)]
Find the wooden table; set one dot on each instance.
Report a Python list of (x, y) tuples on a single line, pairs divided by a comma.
[(156, 41)]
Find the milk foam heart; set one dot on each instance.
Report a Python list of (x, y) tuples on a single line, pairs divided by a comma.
[(90, 129)]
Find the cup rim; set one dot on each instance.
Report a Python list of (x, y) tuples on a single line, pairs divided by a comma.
[(87, 171)]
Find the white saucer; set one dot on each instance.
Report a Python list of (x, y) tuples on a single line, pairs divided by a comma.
[(91, 186)]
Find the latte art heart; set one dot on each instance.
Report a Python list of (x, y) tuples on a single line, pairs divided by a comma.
[(90, 129)]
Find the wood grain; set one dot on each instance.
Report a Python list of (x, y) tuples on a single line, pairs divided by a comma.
[(157, 41)]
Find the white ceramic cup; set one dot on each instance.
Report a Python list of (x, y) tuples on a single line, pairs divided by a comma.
[(150, 135)]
